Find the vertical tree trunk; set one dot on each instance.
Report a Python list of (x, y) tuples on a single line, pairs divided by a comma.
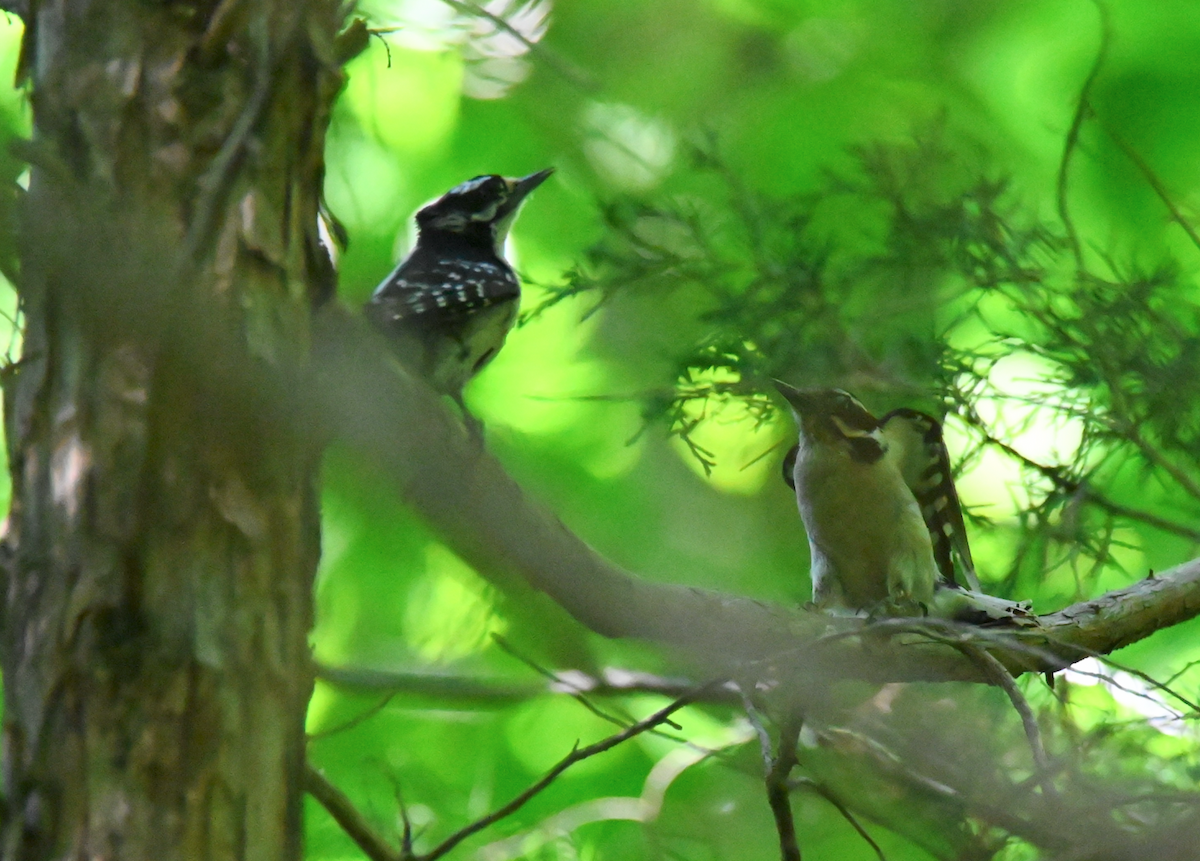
[(163, 534)]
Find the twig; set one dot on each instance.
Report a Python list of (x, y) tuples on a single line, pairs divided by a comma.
[(345, 814), (1082, 111), (572, 691), (1099, 500), (576, 755), (1108, 680), (778, 795), (760, 730), (572, 73), (354, 721), (1175, 676), (406, 833), (1145, 677), (828, 795), (1004, 680), (496, 692), (1153, 181)]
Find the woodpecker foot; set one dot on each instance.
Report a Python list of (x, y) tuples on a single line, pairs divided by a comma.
[(473, 425), (897, 607)]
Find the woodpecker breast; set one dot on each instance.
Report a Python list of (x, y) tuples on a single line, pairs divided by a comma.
[(868, 540)]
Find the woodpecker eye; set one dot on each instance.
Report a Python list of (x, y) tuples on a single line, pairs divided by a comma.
[(486, 187), (478, 195), (476, 200), (849, 413)]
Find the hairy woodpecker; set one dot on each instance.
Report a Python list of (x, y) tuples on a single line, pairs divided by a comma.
[(449, 305), (883, 519)]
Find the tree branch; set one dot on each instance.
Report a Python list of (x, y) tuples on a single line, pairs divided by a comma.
[(577, 755), (1000, 677), (1071, 141), (477, 691), (353, 390), (779, 790), (345, 814), (847, 814), (482, 515), (343, 811)]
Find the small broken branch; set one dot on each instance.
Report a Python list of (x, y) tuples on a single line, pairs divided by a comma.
[(345, 814), (779, 789)]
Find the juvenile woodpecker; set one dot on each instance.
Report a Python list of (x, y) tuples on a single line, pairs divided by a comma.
[(883, 519), (449, 305)]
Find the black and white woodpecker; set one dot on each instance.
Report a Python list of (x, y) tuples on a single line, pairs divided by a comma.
[(883, 518), (449, 305)]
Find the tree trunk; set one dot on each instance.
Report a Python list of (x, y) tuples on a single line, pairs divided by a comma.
[(163, 533)]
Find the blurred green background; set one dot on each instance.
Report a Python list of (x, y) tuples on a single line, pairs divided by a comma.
[(620, 98), (658, 116)]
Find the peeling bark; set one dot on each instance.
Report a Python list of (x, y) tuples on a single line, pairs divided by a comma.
[(162, 540)]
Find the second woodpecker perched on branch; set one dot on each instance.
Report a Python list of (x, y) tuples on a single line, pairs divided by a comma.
[(448, 307), (883, 519)]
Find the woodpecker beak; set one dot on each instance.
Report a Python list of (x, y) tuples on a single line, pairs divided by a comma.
[(526, 184), (830, 414), (803, 402), (519, 189)]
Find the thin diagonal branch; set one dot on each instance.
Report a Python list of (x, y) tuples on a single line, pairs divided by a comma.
[(1055, 475), (1001, 677), (350, 724), (345, 814), (1082, 112), (577, 755), (572, 73), (1153, 181), (573, 691), (832, 798)]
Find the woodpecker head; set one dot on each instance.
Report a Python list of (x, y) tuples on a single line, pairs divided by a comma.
[(833, 418), (480, 209)]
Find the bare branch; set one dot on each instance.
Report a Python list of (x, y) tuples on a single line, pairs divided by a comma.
[(577, 755), (483, 691), (573, 690), (832, 798), (1001, 677), (345, 814), (360, 831), (778, 788), (569, 71), (354, 721), (1154, 182), (1082, 111)]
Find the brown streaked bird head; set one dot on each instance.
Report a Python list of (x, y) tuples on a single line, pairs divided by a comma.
[(834, 417)]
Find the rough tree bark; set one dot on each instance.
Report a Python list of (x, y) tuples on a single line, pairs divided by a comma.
[(162, 540)]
